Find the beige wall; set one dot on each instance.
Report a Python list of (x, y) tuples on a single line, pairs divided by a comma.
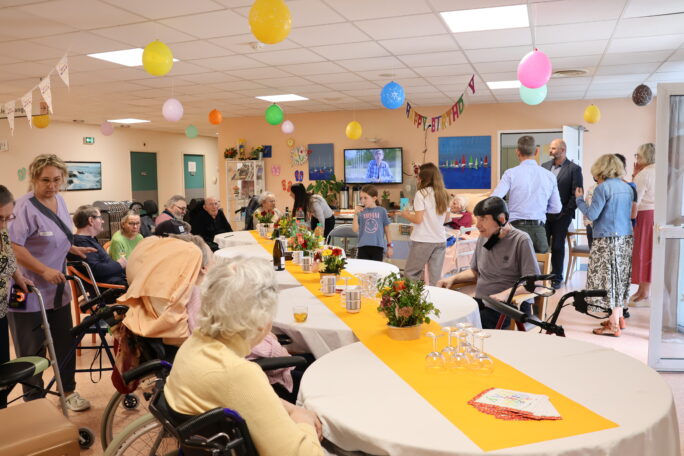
[(66, 140), (622, 128)]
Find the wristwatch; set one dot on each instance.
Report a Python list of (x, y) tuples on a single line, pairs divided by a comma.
[(390, 244)]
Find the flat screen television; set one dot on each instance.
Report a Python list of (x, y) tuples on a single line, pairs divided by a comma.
[(378, 165)]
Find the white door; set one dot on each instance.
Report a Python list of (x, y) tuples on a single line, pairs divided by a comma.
[(666, 338)]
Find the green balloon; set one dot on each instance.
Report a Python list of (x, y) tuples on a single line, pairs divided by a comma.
[(191, 131), (274, 114)]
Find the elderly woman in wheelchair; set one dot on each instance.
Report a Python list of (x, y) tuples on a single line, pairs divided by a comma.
[(210, 370)]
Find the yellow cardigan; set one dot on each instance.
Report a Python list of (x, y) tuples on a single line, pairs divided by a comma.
[(209, 373)]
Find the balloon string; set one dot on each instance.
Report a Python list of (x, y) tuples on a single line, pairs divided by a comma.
[(533, 23)]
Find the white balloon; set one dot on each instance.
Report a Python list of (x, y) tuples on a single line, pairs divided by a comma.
[(172, 110), (106, 128), (287, 127)]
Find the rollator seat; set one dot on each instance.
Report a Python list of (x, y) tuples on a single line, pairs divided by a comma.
[(19, 369), (37, 428)]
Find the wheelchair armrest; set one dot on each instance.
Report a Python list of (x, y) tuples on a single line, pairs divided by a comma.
[(280, 362), (284, 339), (104, 313), (155, 366)]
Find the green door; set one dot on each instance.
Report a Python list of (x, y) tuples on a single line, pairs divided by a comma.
[(193, 176), (144, 176)]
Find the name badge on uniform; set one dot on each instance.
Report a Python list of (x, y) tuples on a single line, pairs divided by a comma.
[(45, 233)]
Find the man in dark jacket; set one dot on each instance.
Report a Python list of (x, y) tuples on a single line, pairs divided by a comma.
[(208, 221), (569, 177)]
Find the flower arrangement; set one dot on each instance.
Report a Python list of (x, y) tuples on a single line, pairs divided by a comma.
[(264, 216), (304, 240), (230, 152), (403, 301), (331, 259), (254, 153), (286, 225)]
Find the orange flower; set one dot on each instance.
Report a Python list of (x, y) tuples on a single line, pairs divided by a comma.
[(399, 285)]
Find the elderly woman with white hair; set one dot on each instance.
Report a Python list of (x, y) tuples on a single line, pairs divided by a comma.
[(460, 217), (644, 178), (267, 204), (239, 300)]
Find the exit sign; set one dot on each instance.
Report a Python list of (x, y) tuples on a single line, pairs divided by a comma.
[(88, 140)]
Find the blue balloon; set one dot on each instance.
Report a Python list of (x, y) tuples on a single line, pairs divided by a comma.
[(533, 96), (392, 95)]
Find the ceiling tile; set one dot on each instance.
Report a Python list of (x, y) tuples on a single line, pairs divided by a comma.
[(207, 78), (623, 58), (140, 35), (351, 50), (574, 49), (327, 34), (637, 8), (258, 73), (347, 86), (34, 70), (230, 62), (290, 81), (495, 67), (582, 81), (26, 50), (575, 11), (335, 77), (235, 3), (20, 24), (435, 43), (198, 49), (649, 26), (306, 69), (494, 38), (379, 63), (445, 70), (565, 33), (634, 68), (244, 44), (181, 68), (674, 76), (362, 9), (239, 85), (210, 25), (496, 54), (618, 79), (159, 9), (397, 74), (311, 12), (288, 56), (507, 76), (584, 61), (402, 27), (433, 59), (81, 43), (648, 43), (673, 66), (82, 14)]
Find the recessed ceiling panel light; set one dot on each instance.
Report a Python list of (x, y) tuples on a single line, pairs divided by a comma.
[(128, 121), (126, 57), (280, 98), (473, 20), (494, 85)]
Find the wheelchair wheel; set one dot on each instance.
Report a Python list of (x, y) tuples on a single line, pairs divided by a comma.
[(121, 410), (86, 438), (144, 436)]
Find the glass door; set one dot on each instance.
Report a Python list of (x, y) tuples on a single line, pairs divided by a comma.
[(666, 339)]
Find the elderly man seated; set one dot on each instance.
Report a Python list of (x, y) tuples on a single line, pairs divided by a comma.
[(267, 204), (208, 221), (503, 254), (89, 224), (174, 208)]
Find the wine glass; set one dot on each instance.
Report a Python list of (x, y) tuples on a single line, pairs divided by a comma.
[(434, 360), (343, 299), (458, 359), (471, 351), (463, 335), (484, 362), (449, 349)]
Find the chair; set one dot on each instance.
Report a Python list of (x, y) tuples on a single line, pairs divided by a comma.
[(106, 246), (194, 206), (345, 232), (252, 206), (575, 250), (544, 260), (147, 219)]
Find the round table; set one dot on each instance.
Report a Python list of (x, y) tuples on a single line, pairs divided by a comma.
[(355, 266), (234, 238), (324, 332), (245, 250), (369, 408)]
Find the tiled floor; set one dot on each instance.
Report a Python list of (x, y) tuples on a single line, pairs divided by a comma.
[(633, 342)]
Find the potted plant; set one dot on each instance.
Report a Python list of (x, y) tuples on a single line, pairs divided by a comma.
[(304, 240), (404, 303), (386, 200), (332, 261), (265, 221), (328, 189), (230, 153), (256, 153)]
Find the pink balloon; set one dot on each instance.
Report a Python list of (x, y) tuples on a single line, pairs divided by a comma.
[(534, 70), (172, 110), (287, 127), (106, 128)]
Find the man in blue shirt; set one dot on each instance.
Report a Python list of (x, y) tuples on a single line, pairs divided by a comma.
[(532, 193), (378, 169)]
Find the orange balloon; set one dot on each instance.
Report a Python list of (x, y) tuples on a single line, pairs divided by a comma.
[(215, 117)]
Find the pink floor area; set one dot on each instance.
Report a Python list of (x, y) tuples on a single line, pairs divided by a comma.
[(633, 342)]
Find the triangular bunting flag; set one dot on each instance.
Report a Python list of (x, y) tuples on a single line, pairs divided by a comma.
[(27, 104), (45, 91), (9, 111), (63, 70)]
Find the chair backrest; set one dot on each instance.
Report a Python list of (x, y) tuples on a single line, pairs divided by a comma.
[(151, 207), (344, 232), (545, 267), (573, 243), (252, 206), (194, 206), (106, 246)]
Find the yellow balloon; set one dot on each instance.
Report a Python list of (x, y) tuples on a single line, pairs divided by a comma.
[(353, 130), (592, 114), (157, 58), (40, 121), (270, 21)]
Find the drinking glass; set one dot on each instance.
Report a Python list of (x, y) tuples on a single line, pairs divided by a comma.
[(434, 360), (300, 312), (484, 362), (471, 351), (458, 359), (343, 300), (449, 349)]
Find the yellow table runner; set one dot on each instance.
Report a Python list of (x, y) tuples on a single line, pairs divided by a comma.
[(448, 391)]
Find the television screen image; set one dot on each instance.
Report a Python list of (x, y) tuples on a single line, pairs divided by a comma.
[(370, 166)]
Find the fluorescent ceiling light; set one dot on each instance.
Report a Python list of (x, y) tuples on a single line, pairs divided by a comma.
[(494, 85), (126, 57), (473, 20), (128, 121), (279, 98)]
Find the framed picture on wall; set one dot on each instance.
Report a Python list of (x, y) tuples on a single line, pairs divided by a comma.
[(84, 175), (465, 161), (321, 161)]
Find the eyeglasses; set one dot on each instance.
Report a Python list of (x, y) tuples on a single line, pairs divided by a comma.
[(133, 223), (182, 208), (8, 218), (48, 181)]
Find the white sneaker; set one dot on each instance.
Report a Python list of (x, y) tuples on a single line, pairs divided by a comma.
[(76, 403), (640, 303)]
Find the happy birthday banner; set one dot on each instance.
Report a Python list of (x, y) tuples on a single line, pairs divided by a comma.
[(443, 121), (9, 108)]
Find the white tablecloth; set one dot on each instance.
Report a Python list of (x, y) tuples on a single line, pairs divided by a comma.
[(324, 331), (246, 250), (355, 266), (234, 238), (369, 408)]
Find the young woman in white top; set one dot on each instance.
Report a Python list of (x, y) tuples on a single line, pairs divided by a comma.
[(428, 239), (315, 208), (644, 179)]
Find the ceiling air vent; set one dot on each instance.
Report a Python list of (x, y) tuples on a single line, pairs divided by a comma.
[(573, 73)]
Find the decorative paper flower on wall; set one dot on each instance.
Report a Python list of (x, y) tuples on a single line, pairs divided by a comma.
[(298, 155)]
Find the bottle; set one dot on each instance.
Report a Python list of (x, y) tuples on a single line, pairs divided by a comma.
[(278, 256), (300, 213), (318, 232)]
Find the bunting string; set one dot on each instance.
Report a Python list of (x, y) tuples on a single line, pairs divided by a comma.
[(436, 123)]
